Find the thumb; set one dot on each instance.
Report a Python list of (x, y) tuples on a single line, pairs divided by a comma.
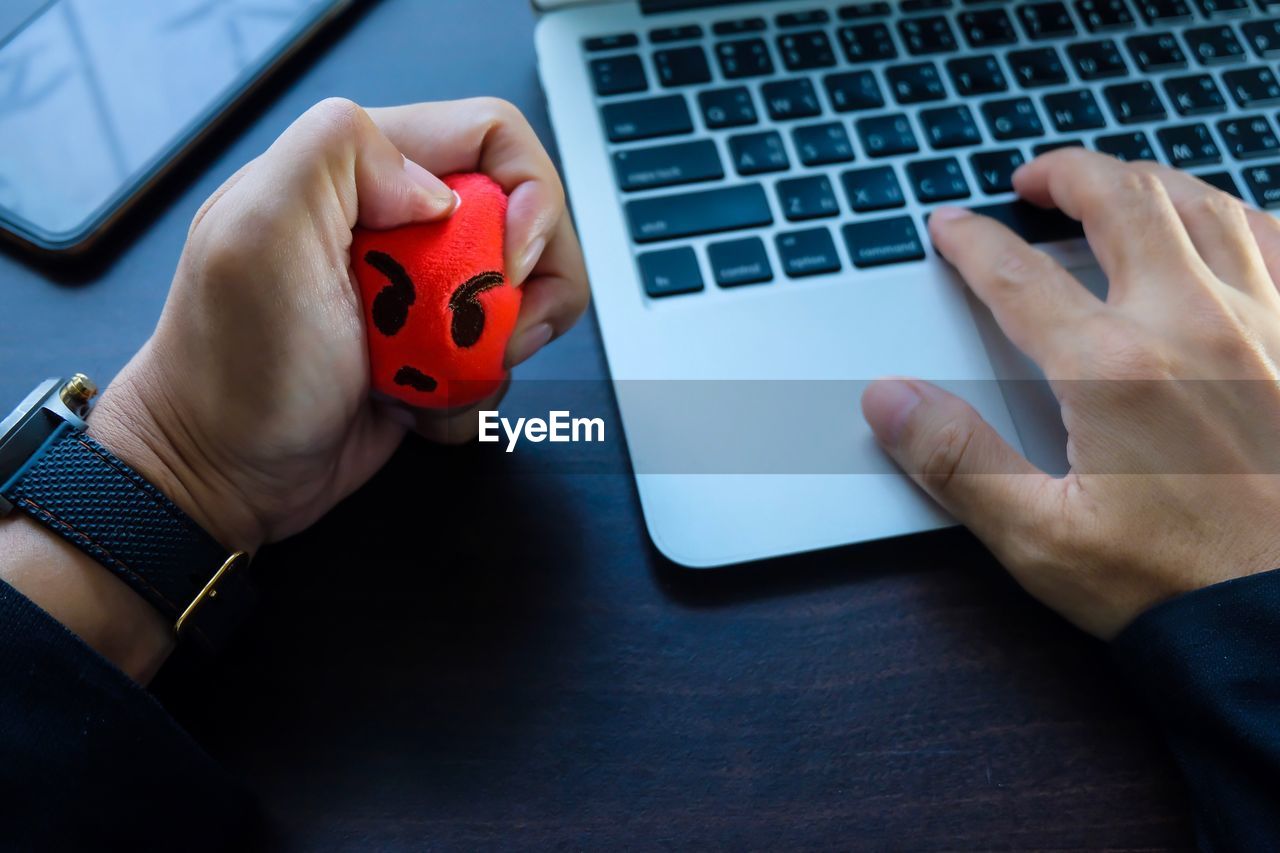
[(956, 456), (376, 186)]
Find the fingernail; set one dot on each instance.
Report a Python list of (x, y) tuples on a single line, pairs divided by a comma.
[(528, 261), (441, 197), (530, 341), (950, 214), (887, 404)]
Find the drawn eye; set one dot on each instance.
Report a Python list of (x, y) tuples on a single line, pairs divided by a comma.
[(391, 305), (468, 313)]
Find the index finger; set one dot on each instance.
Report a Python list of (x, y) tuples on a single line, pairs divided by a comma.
[(490, 136), (1129, 220), (541, 251)]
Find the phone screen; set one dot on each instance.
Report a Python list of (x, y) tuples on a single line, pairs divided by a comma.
[(96, 96)]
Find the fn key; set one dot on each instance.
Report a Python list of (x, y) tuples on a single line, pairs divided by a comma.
[(669, 272)]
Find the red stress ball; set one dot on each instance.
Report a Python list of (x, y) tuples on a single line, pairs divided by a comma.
[(438, 308)]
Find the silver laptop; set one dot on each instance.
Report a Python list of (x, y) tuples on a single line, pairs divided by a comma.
[(751, 179)]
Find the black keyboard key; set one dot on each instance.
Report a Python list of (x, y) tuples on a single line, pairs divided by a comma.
[(744, 58), (987, 28), (872, 189), (809, 252), (1263, 37), (1097, 60), (1222, 181), (1104, 15), (1156, 52), (1252, 87), (730, 107), (802, 19), (853, 90), (737, 262), (803, 51), (858, 11), (618, 75), (976, 75), (1264, 183), (923, 5), (1223, 8), (1134, 103), (916, 83), (923, 36), (670, 272), (788, 99), (1036, 67), (1189, 145), (1126, 146), (1013, 118), (1046, 21), (1155, 11), (1031, 223), (1249, 137), (885, 136), (949, 127), (994, 169), (705, 212), (822, 144), (1194, 95), (667, 165), (1046, 147), (883, 241), (738, 27), (682, 66), (867, 43), (665, 35), (937, 180), (1074, 111), (807, 198), (757, 153), (1214, 45), (616, 41), (627, 121)]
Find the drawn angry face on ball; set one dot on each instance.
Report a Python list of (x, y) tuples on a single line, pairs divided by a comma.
[(438, 309)]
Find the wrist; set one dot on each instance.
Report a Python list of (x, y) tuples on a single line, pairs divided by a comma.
[(90, 601), (136, 422)]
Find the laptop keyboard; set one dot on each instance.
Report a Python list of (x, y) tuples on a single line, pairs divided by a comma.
[(819, 139)]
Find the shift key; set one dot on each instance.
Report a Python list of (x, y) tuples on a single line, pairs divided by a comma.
[(690, 214)]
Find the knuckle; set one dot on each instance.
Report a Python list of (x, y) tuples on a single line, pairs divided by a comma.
[(497, 111), (1214, 205), (336, 116), (948, 447), (1017, 268), (1138, 182)]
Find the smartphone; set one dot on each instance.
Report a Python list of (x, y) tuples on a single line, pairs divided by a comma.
[(98, 98)]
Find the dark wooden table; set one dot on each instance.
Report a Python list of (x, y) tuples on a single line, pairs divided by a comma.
[(518, 667)]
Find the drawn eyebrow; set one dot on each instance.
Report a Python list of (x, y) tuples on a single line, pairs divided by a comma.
[(468, 315), (391, 305)]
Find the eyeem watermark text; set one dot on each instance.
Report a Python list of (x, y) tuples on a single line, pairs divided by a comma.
[(559, 426)]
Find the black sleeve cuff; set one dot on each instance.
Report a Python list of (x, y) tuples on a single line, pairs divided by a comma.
[(92, 760), (1208, 665)]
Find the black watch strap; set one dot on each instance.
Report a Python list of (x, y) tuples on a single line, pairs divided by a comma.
[(111, 512)]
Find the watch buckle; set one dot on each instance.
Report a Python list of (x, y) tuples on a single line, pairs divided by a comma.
[(210, 590)]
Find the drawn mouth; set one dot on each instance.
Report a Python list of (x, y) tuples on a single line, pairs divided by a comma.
[(415, 379)]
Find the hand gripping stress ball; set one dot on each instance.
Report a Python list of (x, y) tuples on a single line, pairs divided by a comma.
[(437, 306)]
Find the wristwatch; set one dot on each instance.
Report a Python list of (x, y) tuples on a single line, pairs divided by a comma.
[(58, 475)]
